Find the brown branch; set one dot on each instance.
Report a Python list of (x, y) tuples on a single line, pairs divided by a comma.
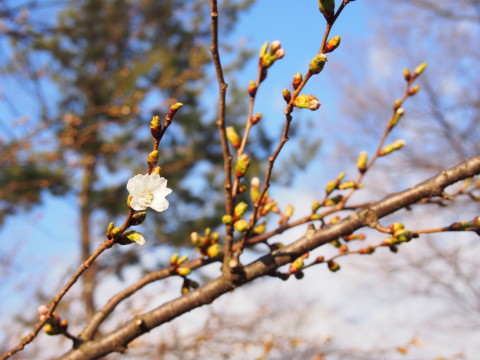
[(227, 157), (119, 339)]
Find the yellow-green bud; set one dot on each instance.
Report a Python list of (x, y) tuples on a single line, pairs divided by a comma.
[(297, 80), (153, 158), (156, 170), (138, 218), (242, 165), (241, 225), (115, 232), (333, 200), (173, 259), (396, 145), (296, 265), (413, 90), (397, 104), (227, 219), (347, 185), (419, 69), (233, 137), (403, 235), (362, 162), (333, 266), (288, 211), (197, 240), (396, 117), (260, 228), (214, 250), (331, 185), (287, 95), (332, 44), (240, 209), (327, 8), (110, 227), (315, 206), (318, 63), (307, 102), (182, 259), (183, 271), (252, 88), (406, 74), (155, 127), (172, 111), (256, 118), (263, 49), (130, 237)]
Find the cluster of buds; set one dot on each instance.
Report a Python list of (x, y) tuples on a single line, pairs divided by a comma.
[(334, 184), (307, 102), (268, 55), (177, 267), (54, 325), (207, 244), (473, 225), (156, 124), (399, 235)]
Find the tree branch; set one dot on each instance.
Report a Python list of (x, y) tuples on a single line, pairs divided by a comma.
[(119, 339)]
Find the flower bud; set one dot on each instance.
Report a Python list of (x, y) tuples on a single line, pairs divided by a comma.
[(115, 232), (420, 69), (318, 63), (173, 110), (214, 250), (242, 165), (331, 185), (287, 96), (256, 118), (173, 259), (197, 240), (413, 90), (362, 162), (260, 228), (288, 212), (315, 206), (307, 102), (403, 235), (227, 219), (138, 218), (297, 80), (280, 53), (252, 88), (110, 227), (333, 266), (406, 74), (241, 225), (240, 209), (156, 170), (263, 49), (181, 260), (275, 45), (332, 44), (327, 8), (347, 185), (233, 137), (152, 158), (155, 127), (131, 237), (183, 271), (396, 145), (397, 104), (396, 117), (333, 200), (296, 265), (367, 250)]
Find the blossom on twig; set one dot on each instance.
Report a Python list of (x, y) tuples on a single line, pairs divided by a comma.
[(148, 191)]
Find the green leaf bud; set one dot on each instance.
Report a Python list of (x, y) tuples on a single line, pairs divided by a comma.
[(396, 145), (307, 102), (240, 209), (233, 137), (362, 162), (138, 218), (318, 63)]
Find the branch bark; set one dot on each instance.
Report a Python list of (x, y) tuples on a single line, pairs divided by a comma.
[(119, 339)]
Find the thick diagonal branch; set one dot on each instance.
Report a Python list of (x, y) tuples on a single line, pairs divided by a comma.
[(119, 339)]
